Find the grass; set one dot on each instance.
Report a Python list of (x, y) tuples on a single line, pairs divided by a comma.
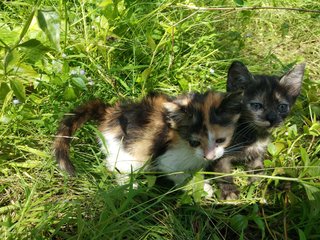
[(58, 54)]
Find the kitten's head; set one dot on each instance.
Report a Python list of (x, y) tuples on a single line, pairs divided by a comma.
[(267, 99), (206, 122)]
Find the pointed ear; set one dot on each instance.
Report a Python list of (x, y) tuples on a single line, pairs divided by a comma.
[(238, 77), (292, 80)]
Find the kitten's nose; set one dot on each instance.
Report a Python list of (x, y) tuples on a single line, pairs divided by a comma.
[(271, 117), (210, 153)]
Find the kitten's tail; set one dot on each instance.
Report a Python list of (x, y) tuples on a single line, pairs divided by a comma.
[(94, 110)]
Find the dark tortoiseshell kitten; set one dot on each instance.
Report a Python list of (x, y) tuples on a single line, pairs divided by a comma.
[(159, 133), (267, 101)]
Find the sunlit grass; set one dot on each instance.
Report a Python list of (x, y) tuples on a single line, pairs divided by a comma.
[(73, 51)]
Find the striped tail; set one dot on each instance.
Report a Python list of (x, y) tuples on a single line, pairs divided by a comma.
[(94, 110)]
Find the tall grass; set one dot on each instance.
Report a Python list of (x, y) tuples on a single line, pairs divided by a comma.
[(58, 54)]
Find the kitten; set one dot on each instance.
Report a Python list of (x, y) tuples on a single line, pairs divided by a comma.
[(267, 102), (159, 133)]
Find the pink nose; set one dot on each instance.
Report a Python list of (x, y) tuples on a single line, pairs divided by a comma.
[(210, 154)]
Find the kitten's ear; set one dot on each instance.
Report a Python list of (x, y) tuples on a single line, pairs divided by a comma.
[(238, 77), (292, 80)]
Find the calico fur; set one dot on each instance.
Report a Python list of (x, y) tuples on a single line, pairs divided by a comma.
[(267, 102), (159, 133)]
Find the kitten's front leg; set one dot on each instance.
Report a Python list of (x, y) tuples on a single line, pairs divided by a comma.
[(229, 190), (255, 166)]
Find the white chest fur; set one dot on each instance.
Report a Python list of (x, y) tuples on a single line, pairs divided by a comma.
[(180, 158), (117, 157)]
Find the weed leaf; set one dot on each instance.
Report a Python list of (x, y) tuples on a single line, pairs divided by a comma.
[(11, 58), (69, 94), (49, 23), (239, 3), (30, 43), (302, 236), (18, 89), (78, 82), (4, 90)]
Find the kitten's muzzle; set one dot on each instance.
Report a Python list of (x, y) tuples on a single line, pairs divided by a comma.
[(265, 124), (211, 152)]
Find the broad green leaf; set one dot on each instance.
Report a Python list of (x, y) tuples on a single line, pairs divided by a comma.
[(302, 236), (268, 163), (49, 22), (18, 89), (33, 50), (11, 58), (79, 82), (8, 35), (239, 3), (275, 148), (30, 43), (304, 156), (292, 131), (4, 90), (197, 187), (272, 149), (69, 93)]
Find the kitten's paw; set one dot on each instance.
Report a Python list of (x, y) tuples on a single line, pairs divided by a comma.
[(229, 192), (207, 188)]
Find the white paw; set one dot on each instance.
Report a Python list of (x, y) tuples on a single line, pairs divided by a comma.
[(208, 189)]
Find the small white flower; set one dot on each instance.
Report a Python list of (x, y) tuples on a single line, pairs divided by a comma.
[(91, 83), (4, 119), (15, 101), (82, 72), (211, 71), (73, 72)]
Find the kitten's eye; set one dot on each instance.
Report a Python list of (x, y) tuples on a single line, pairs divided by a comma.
[(283, 108), (194, 143), (256, 106), (220, 140)]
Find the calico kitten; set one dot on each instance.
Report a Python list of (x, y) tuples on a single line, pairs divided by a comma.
[(159, 133), (267, 102)]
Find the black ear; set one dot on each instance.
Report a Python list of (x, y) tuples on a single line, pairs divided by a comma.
[(232, 102), (238, 77), (292, 80)]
